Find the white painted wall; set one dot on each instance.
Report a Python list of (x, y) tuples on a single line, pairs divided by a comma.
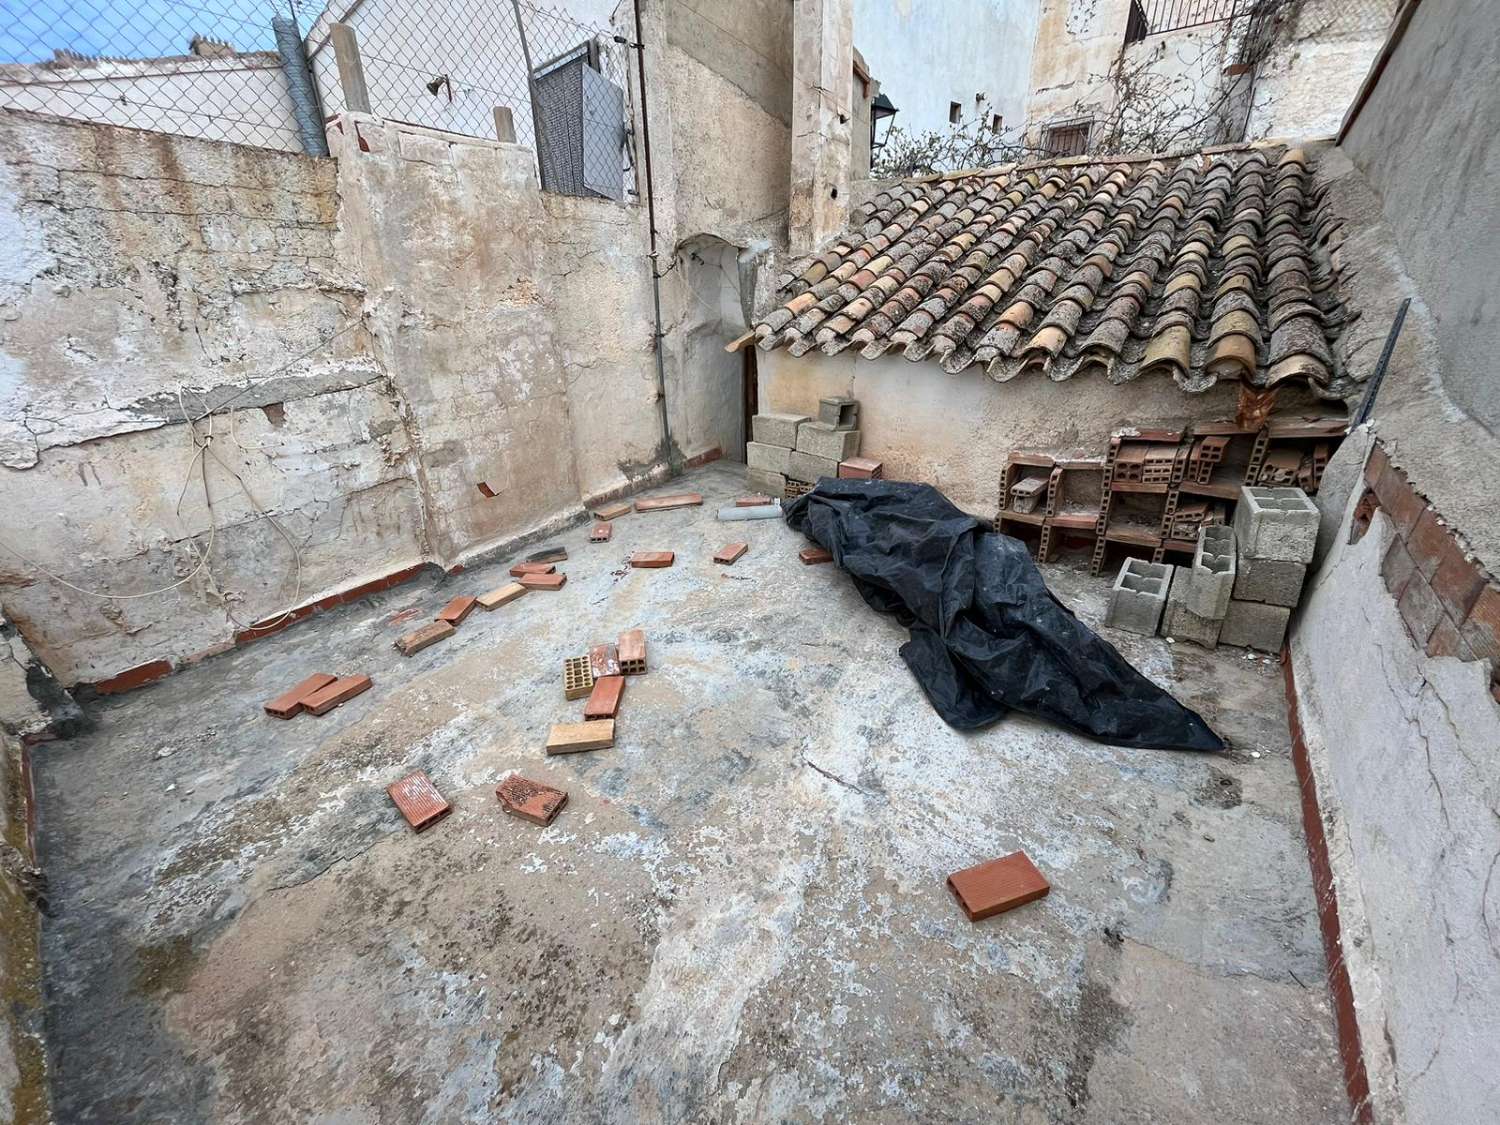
[(928, 53), (241, 98)]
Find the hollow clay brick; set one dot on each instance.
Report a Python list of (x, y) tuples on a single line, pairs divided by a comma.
[(289, 703), (667, 503), (419, 801), (543, 581), (531, 568), (429, 634), (612, 511), (632, 652), (601, 532), (340, 691), (530, 800), (730, 553), (812, 556), (604, 700), (570, 738), (457, 609), (651, 560), (501, 595), (604, 660)]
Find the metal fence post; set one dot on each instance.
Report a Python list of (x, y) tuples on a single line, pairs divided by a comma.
[(536, 117), (299, 82), (351, 70)]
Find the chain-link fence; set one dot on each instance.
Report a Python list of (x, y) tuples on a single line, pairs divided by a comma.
[(209, 68), (450, 64), (240, 70)]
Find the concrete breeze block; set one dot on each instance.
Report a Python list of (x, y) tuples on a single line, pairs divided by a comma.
[(1179, 622), (838, 413), (810, 467), (1271, 581), (1276, 523), (826, 441), (768, 458), (777, 429), (1138, 597), (772, 484), (1253, 625), (1208, 582)]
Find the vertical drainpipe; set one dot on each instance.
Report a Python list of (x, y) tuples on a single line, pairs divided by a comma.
[(674, 455), (299, 84)]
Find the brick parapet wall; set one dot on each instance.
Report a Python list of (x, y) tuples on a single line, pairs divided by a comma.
[(1448, 602)]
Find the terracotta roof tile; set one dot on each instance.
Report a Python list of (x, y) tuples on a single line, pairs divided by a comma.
[(1204, 267)]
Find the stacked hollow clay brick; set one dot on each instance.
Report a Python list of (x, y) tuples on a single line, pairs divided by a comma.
[(1447, 602), (790, 453), (1242, 585)]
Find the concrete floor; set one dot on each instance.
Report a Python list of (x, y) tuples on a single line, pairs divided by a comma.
[(740, 915)]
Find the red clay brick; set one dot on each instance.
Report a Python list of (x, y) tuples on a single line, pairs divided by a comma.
[(1396, 567), (1457, 582), (553, 554), (341, 690), (1447, 641), (1375, 464), (429, 634), (571, 738), (532, 568), (604, 660), (730, 553), (612, 511), (1364, 512), (419, 801), (997, 886), (131, 678), (652, 560), (457, 609), (667, 503), (860, 468), (1420, 609), (1401, 504), (1429, 543), (289, 703), (632, 652), (601, 532), (543, 581), (811, 556), (604, 700), (1481, 629), (530, 800), (501, 595)]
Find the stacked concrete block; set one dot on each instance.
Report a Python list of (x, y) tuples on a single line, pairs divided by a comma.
[(1211, 578), (793, 446), (1179, 622), (1139, 596), (777, 429), (1277, 532)]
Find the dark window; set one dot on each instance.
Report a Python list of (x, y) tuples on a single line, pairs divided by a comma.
[(1136, 27), (1071, 139), (997, 122), (955, 111)]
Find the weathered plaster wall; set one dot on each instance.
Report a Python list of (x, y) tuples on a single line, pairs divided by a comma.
[(953, 431), (1403, 750), (393, 329), (928, 53), (1076, 43), (1426, 142)]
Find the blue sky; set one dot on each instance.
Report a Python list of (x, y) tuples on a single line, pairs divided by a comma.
[(31, 29)]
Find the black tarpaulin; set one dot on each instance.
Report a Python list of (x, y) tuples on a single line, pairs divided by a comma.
[(987, 636)]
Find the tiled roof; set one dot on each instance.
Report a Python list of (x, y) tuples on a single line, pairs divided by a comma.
[(1204, 267)]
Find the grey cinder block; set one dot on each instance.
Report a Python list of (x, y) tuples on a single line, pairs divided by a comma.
[(1255, 625), (809, 467), (763, 480), (768, 458), (777, 429), (1208, 582), (838, 412), (824, 441), (1138, 596), (734, 512), (1271, 581), (1276, 523), (1179, 622)]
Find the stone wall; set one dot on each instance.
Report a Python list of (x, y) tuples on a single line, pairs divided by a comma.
[(410, 355)]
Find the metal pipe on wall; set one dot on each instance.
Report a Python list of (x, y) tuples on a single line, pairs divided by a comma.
[(674, 456), (300, 86)]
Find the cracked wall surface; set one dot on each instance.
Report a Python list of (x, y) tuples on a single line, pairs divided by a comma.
[(359, 344), (1403, 749)]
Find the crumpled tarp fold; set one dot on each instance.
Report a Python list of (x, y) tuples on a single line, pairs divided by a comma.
[(987, 636)]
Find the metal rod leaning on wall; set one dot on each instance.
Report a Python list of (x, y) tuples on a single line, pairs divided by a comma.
[(673, 454), (536, 117), (300, 86), (351, 70)]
